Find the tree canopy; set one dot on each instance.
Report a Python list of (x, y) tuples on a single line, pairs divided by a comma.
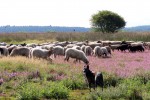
[(107, 22)]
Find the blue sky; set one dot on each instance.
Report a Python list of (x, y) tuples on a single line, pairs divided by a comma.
[(70, 12)]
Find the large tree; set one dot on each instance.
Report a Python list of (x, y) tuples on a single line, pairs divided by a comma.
[(107, 22)]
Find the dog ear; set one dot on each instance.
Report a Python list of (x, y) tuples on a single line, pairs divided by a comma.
[(87, 66)]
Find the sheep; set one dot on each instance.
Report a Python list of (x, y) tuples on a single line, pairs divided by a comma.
[(33, 45), (136, 48), (106, 43), (92, 79), (100, 51), (123, 47), (77, 47), (63, 44), (136, 43), (77, 54), (80, 43), (58, 50), (4, 51), (3, 44), (20, 51), (104, 51), (82, 48), (108, 49), (93, 44), (88, 50), (113, 47), (115, 42), (41, 53), (10, 48), (147, 45), (97, 51), (48, 47)]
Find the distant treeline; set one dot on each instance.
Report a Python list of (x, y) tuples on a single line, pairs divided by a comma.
[(39, 29)]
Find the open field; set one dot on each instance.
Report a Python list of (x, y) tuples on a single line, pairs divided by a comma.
[(53, 36), (126, 74), (126, 77)]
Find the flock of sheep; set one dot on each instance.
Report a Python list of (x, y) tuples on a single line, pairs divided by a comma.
[(76, 50)]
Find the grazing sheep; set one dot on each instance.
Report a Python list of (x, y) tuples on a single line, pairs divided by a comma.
[(3, 44), (63, 44), (115, 42), (147, 45), (100, 51), (48, 47), (20, 51), (106, 43), (88, 50), (58, 50), (82, 48), (77, 54), (33, 45), (41, 53), (136, 43), (97, 51), (104, 51), (113, 47), (93, 45), (108, 49), (10, 48), (136, 48), (123, 47), (77, 47), (92, 79), (4, 51)]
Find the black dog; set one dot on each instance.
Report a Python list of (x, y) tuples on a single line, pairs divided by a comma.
[(92, 79)]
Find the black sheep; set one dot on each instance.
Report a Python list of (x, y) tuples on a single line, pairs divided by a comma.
[(123, 47), (136, 48)]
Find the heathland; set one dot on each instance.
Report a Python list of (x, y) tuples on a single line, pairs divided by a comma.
[(126, 74)]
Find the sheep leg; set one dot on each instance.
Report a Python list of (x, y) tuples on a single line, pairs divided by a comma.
[(66, 58)]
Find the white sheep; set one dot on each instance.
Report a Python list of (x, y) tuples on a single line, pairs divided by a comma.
[(97, 51), (77, 54), (20, 51), (41, 53), (104, 51), (108, 49), (94, 44), (100, 51), (77, 47), (113, 47), (88, 50), (58, 50), (82, 48)]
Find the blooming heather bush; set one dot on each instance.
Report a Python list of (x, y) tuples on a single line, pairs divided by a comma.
[(122, 64)]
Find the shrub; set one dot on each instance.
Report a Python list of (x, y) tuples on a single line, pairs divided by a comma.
[(56, 91), (111, 80), (30, 91)]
